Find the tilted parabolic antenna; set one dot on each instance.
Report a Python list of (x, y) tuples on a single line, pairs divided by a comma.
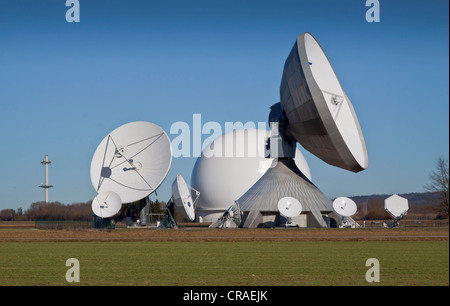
[(182, 200), (230, 218), (132, 161), (346, 208), (106, 204), (315, 112), (235, 214), (289, 208), (397, 207)]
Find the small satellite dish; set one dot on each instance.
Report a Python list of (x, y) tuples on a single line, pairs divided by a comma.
[(182, 198), (319, 114), (289, 207), (234, 211), (106, 204), (132, 161), (396, 206), (344, 206)]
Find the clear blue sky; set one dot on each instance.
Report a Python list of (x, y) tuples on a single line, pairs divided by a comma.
[(64, 86)]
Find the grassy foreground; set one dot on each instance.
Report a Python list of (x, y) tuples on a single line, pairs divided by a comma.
[(225, 263)]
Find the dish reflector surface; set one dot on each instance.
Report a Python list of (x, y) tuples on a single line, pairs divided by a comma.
[(132, 161), (396, 205), (345, 206), (182, 198), (235, 213), (319, 113), (289, 207), (106, 204)]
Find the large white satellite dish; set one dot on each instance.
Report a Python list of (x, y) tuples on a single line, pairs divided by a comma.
[(319, 114), (182, 198), (132, 161), (345, 206), (289, 207), (106, 204)]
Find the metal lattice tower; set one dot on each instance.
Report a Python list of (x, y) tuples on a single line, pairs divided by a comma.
[(46, 162)]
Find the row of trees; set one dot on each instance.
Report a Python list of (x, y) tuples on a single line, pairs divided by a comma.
[(373, 209), (76, 211), (370, 210), (51, 210)]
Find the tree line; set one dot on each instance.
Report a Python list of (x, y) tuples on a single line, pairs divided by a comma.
[(76, 211), (371, 209)]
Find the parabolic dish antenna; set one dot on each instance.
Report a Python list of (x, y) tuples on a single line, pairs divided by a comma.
[(235, 213), (132, 161), (289, 207), (182, 198), (319, 114), (345, 206), (106, 204), (396, 206)]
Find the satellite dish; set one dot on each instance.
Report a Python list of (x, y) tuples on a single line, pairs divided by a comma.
[(319, 115), (396, 206), (182, 198), (235, 213), (106, 204), (345, 207), (289, 207), (132, 161)]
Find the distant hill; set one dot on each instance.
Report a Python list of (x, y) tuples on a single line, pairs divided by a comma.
[(416, 198), (372, 206)]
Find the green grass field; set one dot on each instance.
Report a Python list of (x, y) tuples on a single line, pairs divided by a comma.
[(225, 263)]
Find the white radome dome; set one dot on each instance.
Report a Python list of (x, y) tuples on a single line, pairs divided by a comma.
[(229, 166)]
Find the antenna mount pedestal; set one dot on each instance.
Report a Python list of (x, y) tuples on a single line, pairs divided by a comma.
[(279, 144)]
